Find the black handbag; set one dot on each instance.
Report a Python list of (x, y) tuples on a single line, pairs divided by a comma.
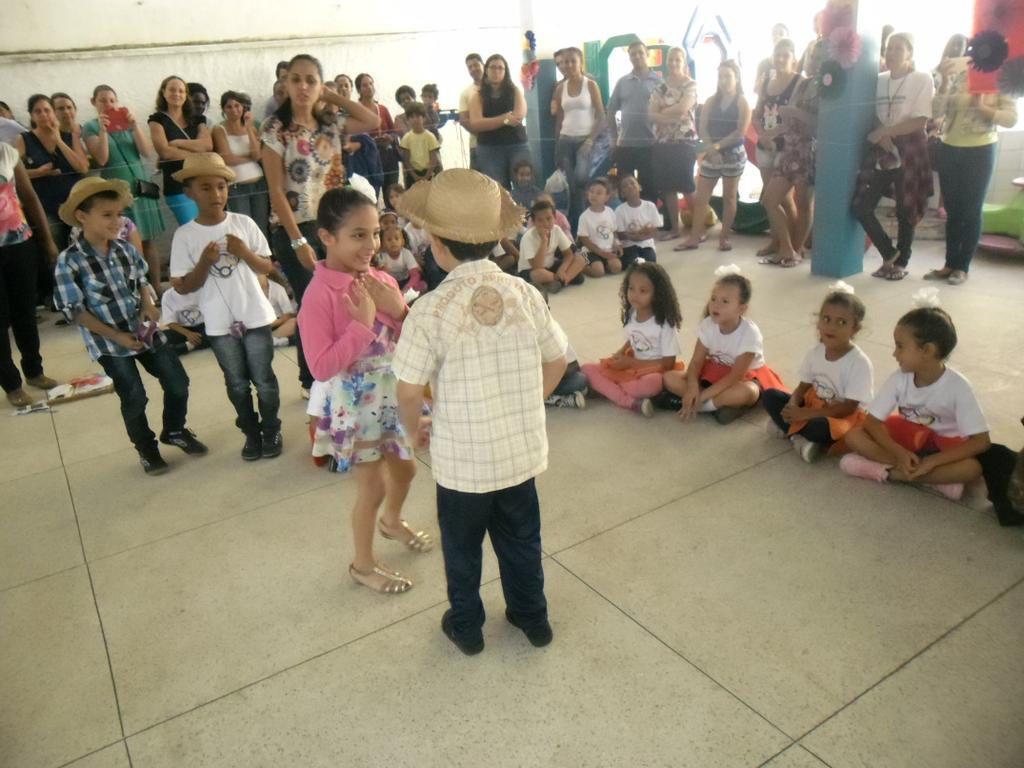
[(146, 189)]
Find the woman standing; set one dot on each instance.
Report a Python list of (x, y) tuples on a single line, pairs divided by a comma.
[(237, 141), (675, 137), (117, 143), (896, 163), (302, 159), (723, 124), (383, 136), (496, 114), (579, 118), (67, 113), (966, 157), (177, 133)]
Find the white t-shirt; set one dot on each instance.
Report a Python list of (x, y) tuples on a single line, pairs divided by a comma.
[(899, 100), (399, 267), (851, 377), (464, 98), (231, 292), (948, 406), (180, 309), (630, 219), (599, 227), (724, 348), (530, 244), (280, 300), (419, 239), (649, 340)]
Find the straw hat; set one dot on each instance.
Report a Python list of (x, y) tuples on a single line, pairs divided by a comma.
[(462, 205), (204, 164), (86, 188)]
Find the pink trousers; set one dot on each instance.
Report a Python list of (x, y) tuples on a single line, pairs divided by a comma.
[(623, 393)]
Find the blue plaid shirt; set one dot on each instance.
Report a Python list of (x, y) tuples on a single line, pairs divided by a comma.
[(106, 285)]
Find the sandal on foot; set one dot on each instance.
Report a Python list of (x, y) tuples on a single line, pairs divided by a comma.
[(896, 273), (882, 271), (380, 579), (796, 261), (417, 541), (686, 247), (938, 274), (768, 250), (957, 277), (724, 245), (771, 261)]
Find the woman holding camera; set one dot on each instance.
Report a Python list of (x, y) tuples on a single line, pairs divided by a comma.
[(117, 143)]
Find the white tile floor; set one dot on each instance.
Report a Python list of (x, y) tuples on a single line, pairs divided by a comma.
[(715, 601)]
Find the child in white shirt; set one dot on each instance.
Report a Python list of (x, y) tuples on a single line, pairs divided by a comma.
[(182, 321), (284, 326), (547, 257), (636, 221), (398, 261), (596, 232)]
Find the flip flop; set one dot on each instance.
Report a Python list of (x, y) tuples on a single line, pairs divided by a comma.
[(724, 245), (896, 273), (937, 274), (882, 272), (770, 261), (686, 247), (790, 263)]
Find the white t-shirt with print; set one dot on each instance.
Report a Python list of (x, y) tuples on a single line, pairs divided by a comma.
[(398, 267), (651, 340), (599, 227), (231, 292), (530, 244), (724, 348), (630, 219), (851, 377), (182, 309), (904, 98), (280, 300), (947, 406)]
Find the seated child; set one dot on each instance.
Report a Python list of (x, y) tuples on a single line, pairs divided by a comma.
[(524, 190), (183, 322), (420, 148), (398, 261), (836, 381), (651, 319), (560, 220), (101, 284), (571, 391), (925, 424), (218, 256), (596, 232), (636, 221), (727, 371), (284, 326), (547, 257)]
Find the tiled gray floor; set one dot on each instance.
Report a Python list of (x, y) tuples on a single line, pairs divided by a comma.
[(115, 756), (795, 757)]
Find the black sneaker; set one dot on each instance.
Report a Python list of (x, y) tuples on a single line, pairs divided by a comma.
[(539, 636), (470, 649), (667, 401), (151, 460), (253, 447), (729, 413), (186, 440), (273, 444)]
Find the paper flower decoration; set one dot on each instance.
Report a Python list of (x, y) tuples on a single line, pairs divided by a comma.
[(831, 80), (531, 39), (835, 16), (1011, 78), (988, 50), (844, 45), (926, 297), (841, 287), (727, 269), (527, 74)]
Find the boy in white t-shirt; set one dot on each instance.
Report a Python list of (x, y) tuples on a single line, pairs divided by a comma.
[(182, 321), (284, 326), (636, 221), (596, 232), (218, 256), (547, 257)]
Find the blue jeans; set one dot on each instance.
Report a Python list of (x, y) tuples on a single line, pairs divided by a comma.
[(567, 159), (964, 175), (573, 380), (248, 361), (183, 207), (298, 277), (497, 160), (512, 518), (163, 364), (817, 430), (252, 200)]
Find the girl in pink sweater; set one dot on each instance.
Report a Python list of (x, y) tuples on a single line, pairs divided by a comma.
[(350, 320)]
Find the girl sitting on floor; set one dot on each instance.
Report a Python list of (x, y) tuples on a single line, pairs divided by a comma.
[(925, 425), (836, 379), (651, 319), (727, 372)]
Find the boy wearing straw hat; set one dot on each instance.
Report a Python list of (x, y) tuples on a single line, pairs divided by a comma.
[(491, 352), (102, 286), (219, 256)]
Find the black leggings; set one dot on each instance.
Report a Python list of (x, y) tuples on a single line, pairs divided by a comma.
[(816, 430)]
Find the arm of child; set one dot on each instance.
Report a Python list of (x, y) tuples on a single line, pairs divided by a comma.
[(435, 162), (974, 445), (195, 279), (261, 265), (410, 413), (91, 323), (906, 460), (326, 354), (691, 398), (193, 337), (149, 310), (552, 372)]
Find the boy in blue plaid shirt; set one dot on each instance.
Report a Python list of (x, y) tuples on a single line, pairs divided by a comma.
[(102, 286)]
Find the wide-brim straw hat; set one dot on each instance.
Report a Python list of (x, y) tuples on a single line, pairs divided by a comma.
[(86, 188), (204, 164), (462, 205)]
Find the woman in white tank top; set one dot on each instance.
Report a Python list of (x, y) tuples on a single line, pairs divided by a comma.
[(238, 143), (579, 116)]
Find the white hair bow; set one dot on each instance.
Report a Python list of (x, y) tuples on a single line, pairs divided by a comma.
[(727, 269), (926, 297), (639, 260), (840, 287)]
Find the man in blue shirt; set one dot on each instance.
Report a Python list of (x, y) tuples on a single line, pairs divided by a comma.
[(632, 96)]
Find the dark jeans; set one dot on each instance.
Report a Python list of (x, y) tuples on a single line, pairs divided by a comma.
[(633, 252), (497, 160), (567, 159), (18, 277), (247, 362), (816, 430), (512, 518), (864, 210), (252, 200), (573, 380), (298, 277), (164, 365), (964, 174), (629, 159), (177, 342)]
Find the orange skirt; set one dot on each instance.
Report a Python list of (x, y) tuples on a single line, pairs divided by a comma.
[(620, 375), (836, 427), (765, 377), (917, 437)]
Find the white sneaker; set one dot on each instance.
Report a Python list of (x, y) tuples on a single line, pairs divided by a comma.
[(808, 451), (572, 400), (580, 399), (280, 341), (304, 392), (772, 429), (646, 407)]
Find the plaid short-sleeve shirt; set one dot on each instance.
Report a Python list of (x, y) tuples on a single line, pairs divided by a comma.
[(479, 340)]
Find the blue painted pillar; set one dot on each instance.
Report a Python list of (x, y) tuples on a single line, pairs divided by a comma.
[(843, 124)]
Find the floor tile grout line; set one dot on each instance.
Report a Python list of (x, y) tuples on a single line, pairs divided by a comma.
[(34, 579), (672, 650), (794, 745), (74, 760), (999, 596), (92, 590)]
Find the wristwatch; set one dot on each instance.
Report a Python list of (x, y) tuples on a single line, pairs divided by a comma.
[(505, 121), (298, 242)]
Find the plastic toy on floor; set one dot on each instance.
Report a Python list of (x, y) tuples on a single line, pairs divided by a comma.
[(1003, 225)]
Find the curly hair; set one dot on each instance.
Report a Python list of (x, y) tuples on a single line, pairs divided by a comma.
[(665, 304)]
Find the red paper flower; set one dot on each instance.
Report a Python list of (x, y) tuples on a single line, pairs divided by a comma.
[(844, 45), (835, 16)]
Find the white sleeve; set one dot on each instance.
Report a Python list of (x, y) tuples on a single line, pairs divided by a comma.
[(621, 222), (921, 106), (181, 261), (255, 238), (562, 241), (705, 332), (169, 305), (970, 419), (669, 341), (528, 248), (885, 401), (651, 214), (583, 226), (408, 260), (859, 380), (806, 372), (752, 341)]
